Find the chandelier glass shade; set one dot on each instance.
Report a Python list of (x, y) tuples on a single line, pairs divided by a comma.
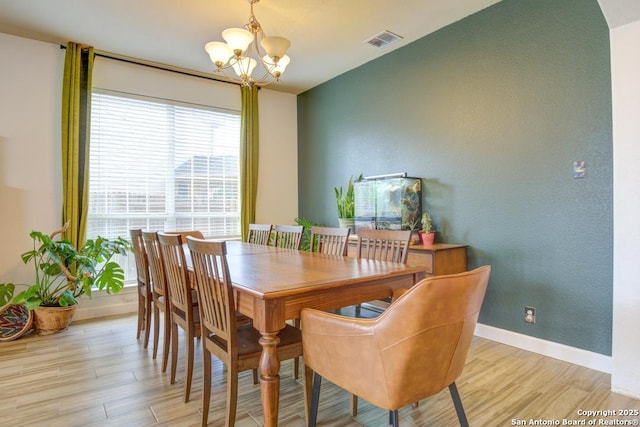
[(244, 48)]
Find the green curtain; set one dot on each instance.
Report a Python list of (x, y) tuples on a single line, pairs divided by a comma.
[(76, 115), (248, 158)]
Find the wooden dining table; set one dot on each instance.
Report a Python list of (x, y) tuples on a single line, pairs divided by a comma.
[(272, 285)]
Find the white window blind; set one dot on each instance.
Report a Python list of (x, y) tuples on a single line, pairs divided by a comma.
[(162, 165)]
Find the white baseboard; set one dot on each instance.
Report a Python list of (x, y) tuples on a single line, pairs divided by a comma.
[(103, 305), (625, 391), (563, 352)]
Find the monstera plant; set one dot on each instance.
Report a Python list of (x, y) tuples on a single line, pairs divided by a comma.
[(62, 272)]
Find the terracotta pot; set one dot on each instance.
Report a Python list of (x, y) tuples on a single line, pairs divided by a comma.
[(52, 320), (427, 238)]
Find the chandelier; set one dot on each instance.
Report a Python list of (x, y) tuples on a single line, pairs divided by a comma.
[(242, 53)]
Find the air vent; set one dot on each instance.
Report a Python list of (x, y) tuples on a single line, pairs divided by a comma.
[(383, 39)]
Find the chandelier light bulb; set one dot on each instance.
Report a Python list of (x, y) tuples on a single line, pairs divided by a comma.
[(275, 46), (219, 53), (238, 39), (243, 66), (276, 68)]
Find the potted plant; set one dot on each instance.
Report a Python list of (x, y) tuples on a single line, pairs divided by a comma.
[(62, 274), (345, 202), (428, 233)]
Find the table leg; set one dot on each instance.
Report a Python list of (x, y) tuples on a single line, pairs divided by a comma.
[(269, 378)]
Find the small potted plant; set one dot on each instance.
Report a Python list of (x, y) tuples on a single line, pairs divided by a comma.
[(62, 274), (345, 202), (428, 233)]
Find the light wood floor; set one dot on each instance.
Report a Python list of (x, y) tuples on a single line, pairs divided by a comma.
[(97, 374)]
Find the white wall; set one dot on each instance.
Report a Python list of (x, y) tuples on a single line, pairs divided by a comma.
[(30, 162), (278, 170), (30, 154), (625, 69)]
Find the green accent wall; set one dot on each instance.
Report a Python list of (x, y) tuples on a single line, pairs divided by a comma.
[(491, 112)]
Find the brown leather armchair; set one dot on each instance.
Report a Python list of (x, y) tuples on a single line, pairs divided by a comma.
[(415, 349)]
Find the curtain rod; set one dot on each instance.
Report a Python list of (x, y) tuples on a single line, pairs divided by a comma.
[(157, 66)]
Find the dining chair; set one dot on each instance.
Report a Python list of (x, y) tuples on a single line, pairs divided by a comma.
[(382, 245), (183, 304), (288, 236), (143, 284), (259, 234), (160, 295), (183, 234), (329, 240), (237, 346), (326, 240), (241, 319), (413, 350)]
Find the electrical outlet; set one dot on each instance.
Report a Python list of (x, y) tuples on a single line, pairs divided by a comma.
[(529, 314)]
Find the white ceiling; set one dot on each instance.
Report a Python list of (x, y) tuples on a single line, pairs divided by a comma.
[(620, 12), (328, 36)]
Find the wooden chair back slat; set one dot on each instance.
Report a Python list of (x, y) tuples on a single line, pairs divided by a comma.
[(213, 282), (288, 236), (329, 240), (142, 263), (178, 281), (156, 266), (143, 281), (384, 245), (259, 234)]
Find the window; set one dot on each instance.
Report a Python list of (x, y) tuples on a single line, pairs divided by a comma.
[(162, 165)]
